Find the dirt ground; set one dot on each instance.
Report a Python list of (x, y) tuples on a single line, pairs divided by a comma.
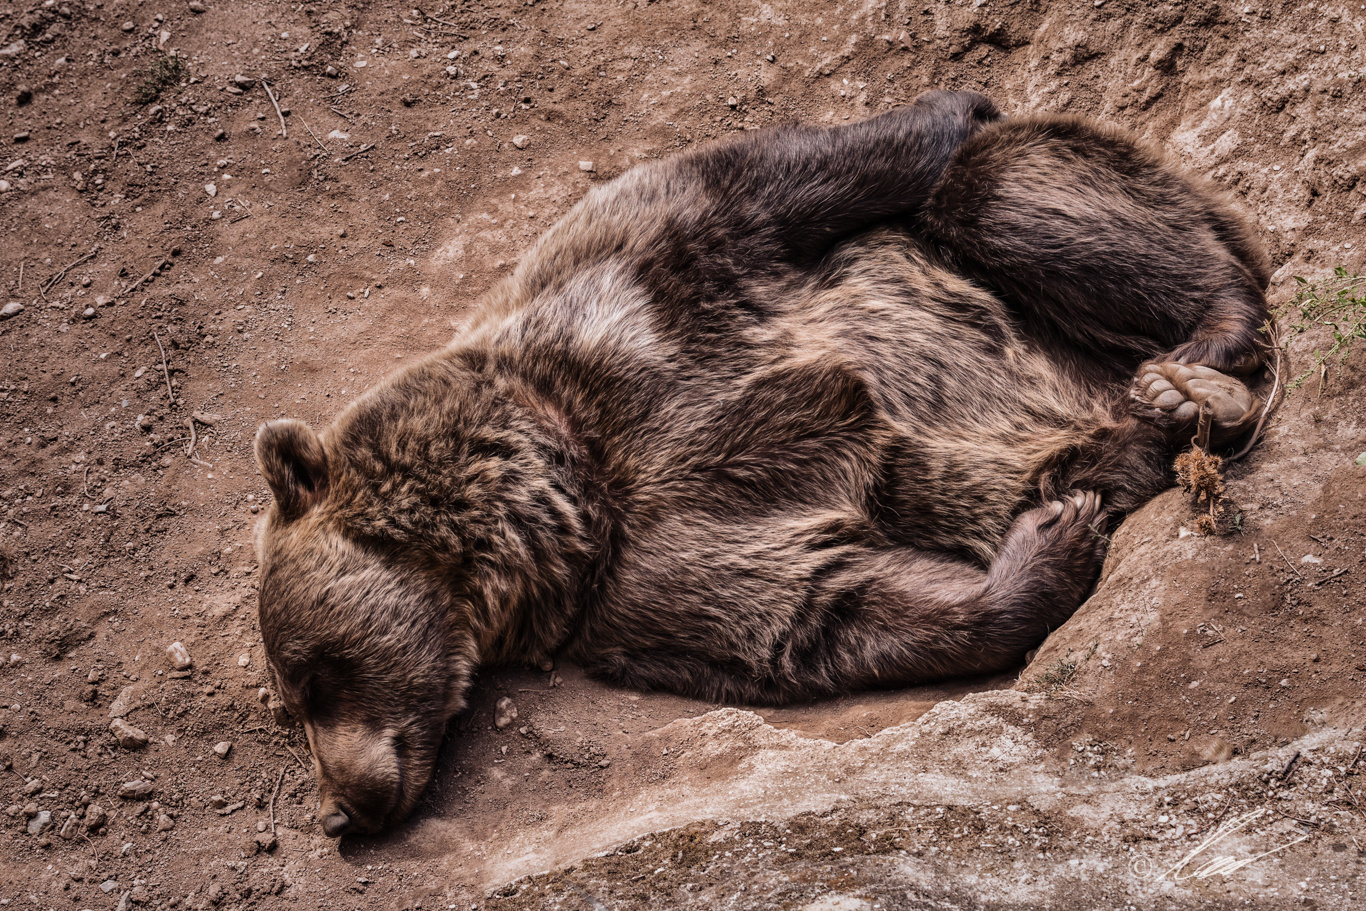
[(181, 261)]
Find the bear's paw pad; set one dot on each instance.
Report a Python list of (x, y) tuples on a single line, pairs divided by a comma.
[(1176, 392)]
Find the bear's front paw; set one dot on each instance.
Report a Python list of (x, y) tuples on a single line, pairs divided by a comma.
[(1052, 555)]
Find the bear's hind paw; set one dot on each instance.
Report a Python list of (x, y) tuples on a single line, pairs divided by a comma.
[(1172, 394)]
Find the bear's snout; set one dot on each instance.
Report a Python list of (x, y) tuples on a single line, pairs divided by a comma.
[(336, 823), (360, 780)]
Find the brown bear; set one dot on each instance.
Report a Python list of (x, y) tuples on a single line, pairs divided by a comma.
[(804, 412)]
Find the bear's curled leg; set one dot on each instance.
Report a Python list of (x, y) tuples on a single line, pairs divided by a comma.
[(1171, 395), (888, 618)]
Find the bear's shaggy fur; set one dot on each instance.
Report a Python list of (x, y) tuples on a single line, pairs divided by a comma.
[(804, 412)]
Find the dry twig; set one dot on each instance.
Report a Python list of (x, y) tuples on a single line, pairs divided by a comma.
[(1290, 766), (137, 284), (165, 371), (1287, 561), (274, 794), (284, 131), (1270, 400), (303, 765), (361, 151), (62, 274), (1329, 579), (427, 15), (315, 137)]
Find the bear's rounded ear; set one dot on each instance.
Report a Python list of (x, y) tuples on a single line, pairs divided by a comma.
[(294, 463)]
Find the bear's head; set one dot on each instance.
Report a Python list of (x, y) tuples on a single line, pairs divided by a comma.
[(363, 642)]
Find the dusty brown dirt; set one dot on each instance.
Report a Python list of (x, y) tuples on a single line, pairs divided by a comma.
[(1174, 701)]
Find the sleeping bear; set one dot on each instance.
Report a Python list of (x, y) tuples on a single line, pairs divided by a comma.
[(803, 412)]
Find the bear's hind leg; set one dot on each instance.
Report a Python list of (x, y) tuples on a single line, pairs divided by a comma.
[(1103, 245)]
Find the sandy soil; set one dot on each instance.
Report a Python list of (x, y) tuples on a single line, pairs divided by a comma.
[(186, 270)]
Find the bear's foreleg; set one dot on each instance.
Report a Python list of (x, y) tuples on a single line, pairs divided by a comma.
[(898, 616)]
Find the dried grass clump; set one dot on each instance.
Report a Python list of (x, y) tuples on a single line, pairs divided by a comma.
[(1200, 475)]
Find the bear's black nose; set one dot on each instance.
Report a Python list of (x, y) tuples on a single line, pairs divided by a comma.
[(337, 824)]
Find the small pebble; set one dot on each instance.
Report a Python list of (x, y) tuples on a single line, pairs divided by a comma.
[(128, 26), (211, 189), (222, 748), (504, 713), (587, 166), (520, 141), (39, 823), (138, 789), (129, 737), (95, 817), (13, 308), (197, 7), (21, 136), (88, 313), (176, 651), (108, 886)]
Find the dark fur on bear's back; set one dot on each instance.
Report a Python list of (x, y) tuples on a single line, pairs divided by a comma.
[(760, 422)]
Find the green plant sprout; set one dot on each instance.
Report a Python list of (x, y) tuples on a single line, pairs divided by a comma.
[(1337, 303)]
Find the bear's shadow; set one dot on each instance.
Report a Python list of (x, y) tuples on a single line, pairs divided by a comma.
[(579, 746)]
